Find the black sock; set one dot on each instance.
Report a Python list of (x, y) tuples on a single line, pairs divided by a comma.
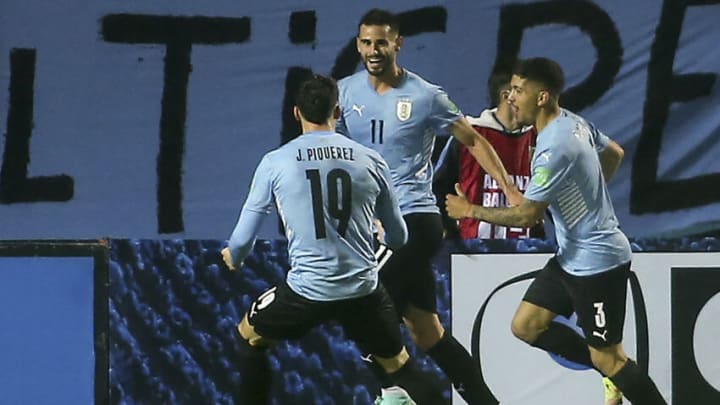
[(637, 386), (255, 374), (378, 371), (462, 370), (565, 342), (422, 387)]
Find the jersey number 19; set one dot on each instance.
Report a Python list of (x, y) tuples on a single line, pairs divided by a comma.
[(339, 195)]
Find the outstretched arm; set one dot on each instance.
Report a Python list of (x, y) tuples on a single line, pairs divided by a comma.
[(485, 155), (388, 211), (242, 239), (255, 209), (525, 215)]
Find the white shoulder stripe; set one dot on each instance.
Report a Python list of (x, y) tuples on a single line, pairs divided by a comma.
[(572, 205)]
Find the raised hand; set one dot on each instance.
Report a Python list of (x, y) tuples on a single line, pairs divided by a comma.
[(458, 206)]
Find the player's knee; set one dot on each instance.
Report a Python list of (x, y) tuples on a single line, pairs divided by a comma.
[(427, 341), (254, 345), (425, 328), (425, 335), (248, 335), (524, 329)]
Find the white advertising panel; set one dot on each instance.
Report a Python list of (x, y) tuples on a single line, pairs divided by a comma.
[(680, 299)]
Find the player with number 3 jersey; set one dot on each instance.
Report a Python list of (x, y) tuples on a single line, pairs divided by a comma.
[(589, 273)]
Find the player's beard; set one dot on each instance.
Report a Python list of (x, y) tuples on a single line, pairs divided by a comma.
[(380, 68)]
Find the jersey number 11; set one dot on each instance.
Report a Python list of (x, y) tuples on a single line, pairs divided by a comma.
[(376, 127)]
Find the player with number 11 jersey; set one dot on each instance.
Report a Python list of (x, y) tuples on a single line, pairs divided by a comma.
[(390, 123)]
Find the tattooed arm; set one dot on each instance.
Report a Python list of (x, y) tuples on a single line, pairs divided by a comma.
[(524, 215)]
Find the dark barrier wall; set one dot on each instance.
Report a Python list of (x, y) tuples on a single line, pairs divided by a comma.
[(173, 311), (174, 306)]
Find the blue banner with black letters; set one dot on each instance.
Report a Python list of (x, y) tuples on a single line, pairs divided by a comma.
[(146, 119)]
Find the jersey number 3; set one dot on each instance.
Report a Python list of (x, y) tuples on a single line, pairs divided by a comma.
[(339, 195)]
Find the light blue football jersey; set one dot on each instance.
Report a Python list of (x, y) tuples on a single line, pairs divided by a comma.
[(327, 189), (566, 173), (401, 124)]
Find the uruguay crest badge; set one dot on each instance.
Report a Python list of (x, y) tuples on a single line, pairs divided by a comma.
[(404, 109)]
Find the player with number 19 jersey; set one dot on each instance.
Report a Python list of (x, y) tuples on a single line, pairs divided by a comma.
[(327, 189), (401, 124)]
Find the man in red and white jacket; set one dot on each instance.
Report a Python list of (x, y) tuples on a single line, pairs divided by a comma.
[(513, 144)]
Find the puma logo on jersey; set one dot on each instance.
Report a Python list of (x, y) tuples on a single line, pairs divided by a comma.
[(545, 156), (358, 109), (601, 335)]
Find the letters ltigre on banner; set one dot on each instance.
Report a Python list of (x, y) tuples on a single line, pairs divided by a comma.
[(121, 128), (668, 327)]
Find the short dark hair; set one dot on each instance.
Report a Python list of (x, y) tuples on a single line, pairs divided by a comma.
[(316, 98), (378, 16), (497, 82), (545, 71)]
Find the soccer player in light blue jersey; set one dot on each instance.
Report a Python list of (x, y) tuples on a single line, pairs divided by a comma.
[(397, 113), (327, 189), (588, 274)]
